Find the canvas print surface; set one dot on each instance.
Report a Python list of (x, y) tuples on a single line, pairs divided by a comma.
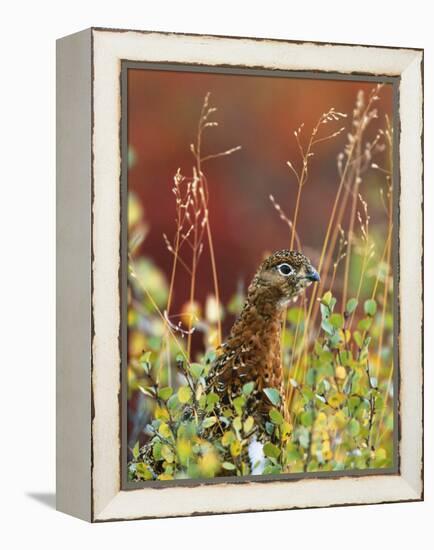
[(260, 299)]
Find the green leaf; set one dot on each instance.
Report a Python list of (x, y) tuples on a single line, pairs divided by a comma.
[(248, 388), (325, 311), (370, 307), (358, 338), (346, 357), (239, 403), (276, 416), (335, 340), (202, 402), (326, 299), (272, 469), (143, 471), (136, 451), (336, 320), (184, 394), (354, 427), (273, 395), (353, 403), (228, 466), (328, 327), (311, 377), (269, 428), (210, 356), (210, 421), (211, 400), (271, 450), (351, 305), (326, 356), (317, 348), (364, 324), (307, 394), (327, 369), (306, 418), (196, 370), (156, 450), (173, 402), (292, 453), (165, 393)]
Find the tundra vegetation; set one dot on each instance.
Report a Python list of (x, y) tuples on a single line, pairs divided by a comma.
[(337, 345)]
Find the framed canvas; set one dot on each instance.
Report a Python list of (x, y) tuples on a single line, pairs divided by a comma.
[(239, 274)]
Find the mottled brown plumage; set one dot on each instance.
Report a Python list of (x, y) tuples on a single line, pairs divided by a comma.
[(252, 352)]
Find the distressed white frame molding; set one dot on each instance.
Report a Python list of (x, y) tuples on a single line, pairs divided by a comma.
[(88, 359)]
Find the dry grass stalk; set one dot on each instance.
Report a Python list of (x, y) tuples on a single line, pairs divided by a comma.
[(301, 175), (193, 220), (387, 279), (354, 159)]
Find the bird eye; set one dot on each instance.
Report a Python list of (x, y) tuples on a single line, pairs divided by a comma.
[(285, 269)]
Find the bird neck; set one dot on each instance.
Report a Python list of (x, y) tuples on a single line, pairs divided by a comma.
[(265, 301), (260, 319)]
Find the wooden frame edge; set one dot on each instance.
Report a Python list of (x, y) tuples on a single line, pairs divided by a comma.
[(81, 495)]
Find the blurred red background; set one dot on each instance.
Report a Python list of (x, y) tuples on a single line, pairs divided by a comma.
[(260, 113)]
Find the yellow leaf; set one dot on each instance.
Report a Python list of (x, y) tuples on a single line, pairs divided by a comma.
[(321, 417), (164, 430), (237, 423), (325, 446), (184, 394), (161, 413), (340, 419), (183, 449), (336, 399), (136, 343), (327, 455), (340, 372), (213, 338), (213, 311), (345, 335), (248, 424), (165, 477), (199, 392), (227, 438), (132, 317), (235, 448), (209, 464), (167, 454), (286, 429), (190, 313), (380, 454)]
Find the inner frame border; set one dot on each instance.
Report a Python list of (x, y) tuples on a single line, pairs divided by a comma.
[(123, 270)]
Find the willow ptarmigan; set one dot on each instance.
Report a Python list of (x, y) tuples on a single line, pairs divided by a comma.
[(252, 352)]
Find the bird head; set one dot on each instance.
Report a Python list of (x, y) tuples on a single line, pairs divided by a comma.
[(282, 277)]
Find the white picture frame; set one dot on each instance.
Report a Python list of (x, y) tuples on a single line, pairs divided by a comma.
[(89, 166)]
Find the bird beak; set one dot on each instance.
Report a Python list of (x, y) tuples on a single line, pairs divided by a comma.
[(313, 275)]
